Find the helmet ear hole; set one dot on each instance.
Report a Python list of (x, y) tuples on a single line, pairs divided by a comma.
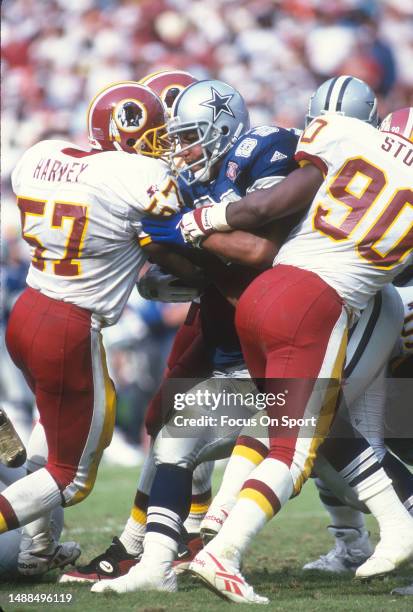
[(130, 142), (225, 130)]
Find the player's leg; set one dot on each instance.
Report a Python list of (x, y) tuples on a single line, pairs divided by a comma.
[(11, 541), (356, 462), (170, 496), (40, 548), (191, 542), (366, 412), (186, 360), (369, 348), (351, 539), (347, 526), (64, 359), (126, 550), (300, 325), (247, 454)]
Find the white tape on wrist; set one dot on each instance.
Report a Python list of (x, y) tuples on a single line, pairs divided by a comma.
[(217, 217)]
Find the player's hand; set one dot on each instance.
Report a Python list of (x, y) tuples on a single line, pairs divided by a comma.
[(164, 230), (162, 287), (200, 223)]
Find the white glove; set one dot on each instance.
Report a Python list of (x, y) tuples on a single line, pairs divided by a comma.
[(201, 222), (162, 287)]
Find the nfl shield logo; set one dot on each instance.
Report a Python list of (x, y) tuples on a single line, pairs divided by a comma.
[(232, 170)]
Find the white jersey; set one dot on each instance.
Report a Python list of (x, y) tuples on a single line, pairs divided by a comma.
[(81, 214), (358, 232)]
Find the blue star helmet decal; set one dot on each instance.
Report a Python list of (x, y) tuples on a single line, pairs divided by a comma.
[(219, 104)]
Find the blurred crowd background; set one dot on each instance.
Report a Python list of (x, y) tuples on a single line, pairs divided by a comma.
[(57, 54)]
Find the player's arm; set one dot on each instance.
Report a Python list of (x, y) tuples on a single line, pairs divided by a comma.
[(231, 280), (256, 250), (242, 248), (292, 195), (174, 263)]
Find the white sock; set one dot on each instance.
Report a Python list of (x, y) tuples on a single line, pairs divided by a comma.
[(381, 499), (159, 551), (193, 522), (252, 510), (241, 464), (32, 496), (132, 536), (244, 522)]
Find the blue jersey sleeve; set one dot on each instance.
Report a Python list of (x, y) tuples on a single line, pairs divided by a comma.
[(263, 152)]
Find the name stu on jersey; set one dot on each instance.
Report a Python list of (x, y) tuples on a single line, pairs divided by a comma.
[(55, 170), (398, 148)]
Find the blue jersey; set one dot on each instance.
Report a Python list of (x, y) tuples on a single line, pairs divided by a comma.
[(260, 158)]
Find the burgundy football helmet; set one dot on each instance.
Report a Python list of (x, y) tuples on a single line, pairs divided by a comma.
[(399, 122), (167, 84), (128, 116)]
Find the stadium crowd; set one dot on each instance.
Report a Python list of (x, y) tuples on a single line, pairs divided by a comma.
[(56, 55)]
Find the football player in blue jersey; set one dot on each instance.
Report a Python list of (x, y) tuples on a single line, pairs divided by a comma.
[(232, 163)]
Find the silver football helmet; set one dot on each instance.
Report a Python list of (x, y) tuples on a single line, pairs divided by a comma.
[(215, 115), (344, 95)]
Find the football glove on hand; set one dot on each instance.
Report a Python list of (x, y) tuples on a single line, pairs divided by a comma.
[(162, 287), (164, 230), (198, 224)]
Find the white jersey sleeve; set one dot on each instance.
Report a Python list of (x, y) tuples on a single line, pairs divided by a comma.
[(81, 213), (358, 231)]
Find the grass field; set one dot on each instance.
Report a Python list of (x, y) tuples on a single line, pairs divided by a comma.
[(273, 564)]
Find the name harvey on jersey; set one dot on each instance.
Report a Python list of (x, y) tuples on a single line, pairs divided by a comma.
[(54, 170), (223, 420)]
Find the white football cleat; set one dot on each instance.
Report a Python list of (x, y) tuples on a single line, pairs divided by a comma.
[(32, 564), (140, 577), (211, 524), (224, 578), (389, 554), (352, 548)]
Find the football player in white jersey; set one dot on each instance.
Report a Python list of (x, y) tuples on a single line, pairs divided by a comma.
[(80, 213), (356, 236), (345, 521), (125, 550)]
